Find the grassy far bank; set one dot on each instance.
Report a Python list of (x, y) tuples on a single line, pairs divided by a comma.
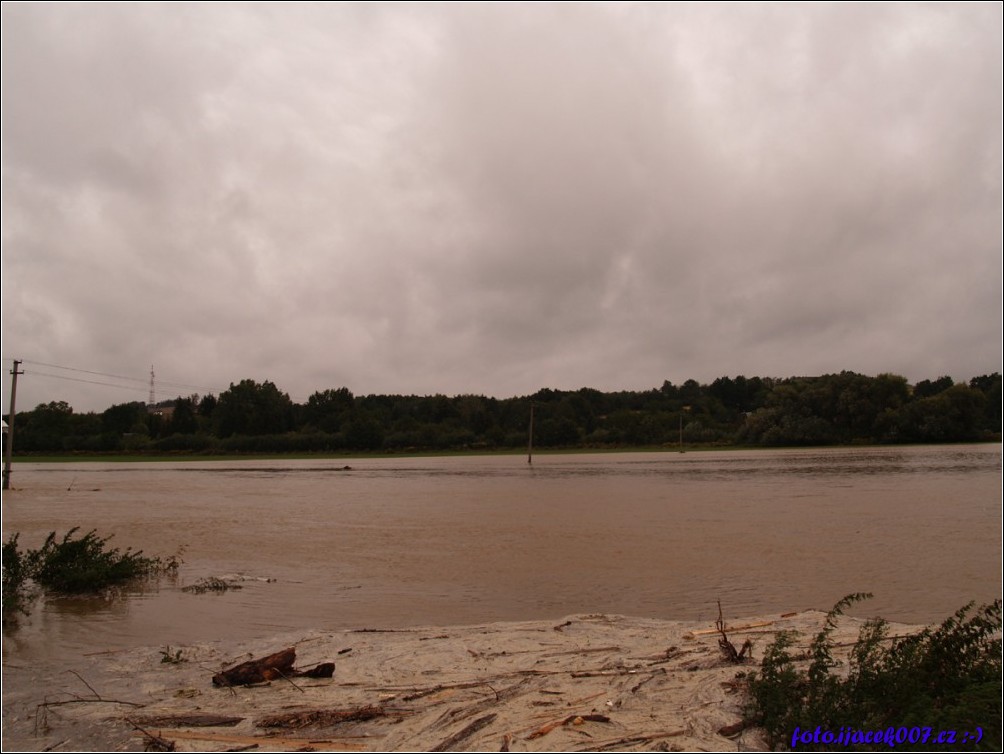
[(140, 457), (181, 457)]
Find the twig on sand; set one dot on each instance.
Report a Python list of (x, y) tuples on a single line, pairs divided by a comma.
[(153, 741), (321, 718), (191, 721), (660, 671), (570, 720), (745, 628), (452, 716), (80, 677), (630, 741), (289, 681), (418, 694), (42, 709), (274, 743), (467, 732), (582, 651)]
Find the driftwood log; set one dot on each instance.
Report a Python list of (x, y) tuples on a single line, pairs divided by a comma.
[(278, 665)]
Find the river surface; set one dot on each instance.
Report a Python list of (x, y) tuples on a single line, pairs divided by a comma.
[(393, 542)]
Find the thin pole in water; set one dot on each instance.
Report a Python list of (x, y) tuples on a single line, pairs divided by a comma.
[(529, 447)]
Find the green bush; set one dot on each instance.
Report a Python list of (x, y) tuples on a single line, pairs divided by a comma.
[(70, 566), (75, 566), (15, 582), (942, 679)]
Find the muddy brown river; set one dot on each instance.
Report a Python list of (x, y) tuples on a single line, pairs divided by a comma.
[(392, 542)]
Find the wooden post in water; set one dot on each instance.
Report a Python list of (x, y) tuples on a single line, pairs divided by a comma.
[(529, 447)]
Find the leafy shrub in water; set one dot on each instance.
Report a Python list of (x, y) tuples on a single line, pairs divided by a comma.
[(74, 566), (70, 566), (15, 579), (943, 679)]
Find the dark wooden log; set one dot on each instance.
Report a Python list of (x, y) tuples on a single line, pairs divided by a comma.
[(255, 671), (324, 670), (278, 665)]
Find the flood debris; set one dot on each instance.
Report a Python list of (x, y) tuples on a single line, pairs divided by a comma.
[(733, 655), (269, 668), (190, 721), (152, 741), (211, 584), (449, 743), (321, 718), (570, 720), (733, 730), (516, 687)]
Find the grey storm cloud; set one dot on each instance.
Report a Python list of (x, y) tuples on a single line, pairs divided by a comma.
[(468, 198)]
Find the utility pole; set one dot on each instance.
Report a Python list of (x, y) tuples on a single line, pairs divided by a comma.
[(10, 425), (529, 447), (684, 408)]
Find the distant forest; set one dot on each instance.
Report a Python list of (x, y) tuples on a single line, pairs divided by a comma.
[(257, 417)]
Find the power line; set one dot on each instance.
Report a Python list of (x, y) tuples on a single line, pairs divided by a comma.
[(84, 371), (89, 382), (142, 380)]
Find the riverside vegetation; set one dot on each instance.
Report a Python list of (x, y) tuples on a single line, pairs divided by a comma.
[(257, 417), (946, 678), (71, 565)]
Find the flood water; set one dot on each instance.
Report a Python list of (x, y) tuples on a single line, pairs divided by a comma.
[(393, 542)]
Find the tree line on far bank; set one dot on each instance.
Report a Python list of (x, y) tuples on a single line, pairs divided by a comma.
[(257, 417)]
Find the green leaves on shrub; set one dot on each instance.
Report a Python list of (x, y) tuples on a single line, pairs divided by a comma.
[(15, 578), (75, 566), (70, 566), (944, 678)]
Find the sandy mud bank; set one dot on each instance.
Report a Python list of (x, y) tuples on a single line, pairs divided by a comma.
[(586, 683)]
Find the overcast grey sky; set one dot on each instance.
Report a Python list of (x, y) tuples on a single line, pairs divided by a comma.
[(463, 198)]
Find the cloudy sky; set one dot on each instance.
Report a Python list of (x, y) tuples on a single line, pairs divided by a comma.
[(464, 198)]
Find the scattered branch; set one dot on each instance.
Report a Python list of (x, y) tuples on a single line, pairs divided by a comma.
[(570, 720), (321, 718), (152, 741), (467, 732), (733, 655)]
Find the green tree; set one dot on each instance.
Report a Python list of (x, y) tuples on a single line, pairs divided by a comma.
[(207, 406), (124, 418), (990, 386), (954, 415), (325, 409), (928, 389), (46, 427), (364, 432), (183, 419), (250, 408)]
